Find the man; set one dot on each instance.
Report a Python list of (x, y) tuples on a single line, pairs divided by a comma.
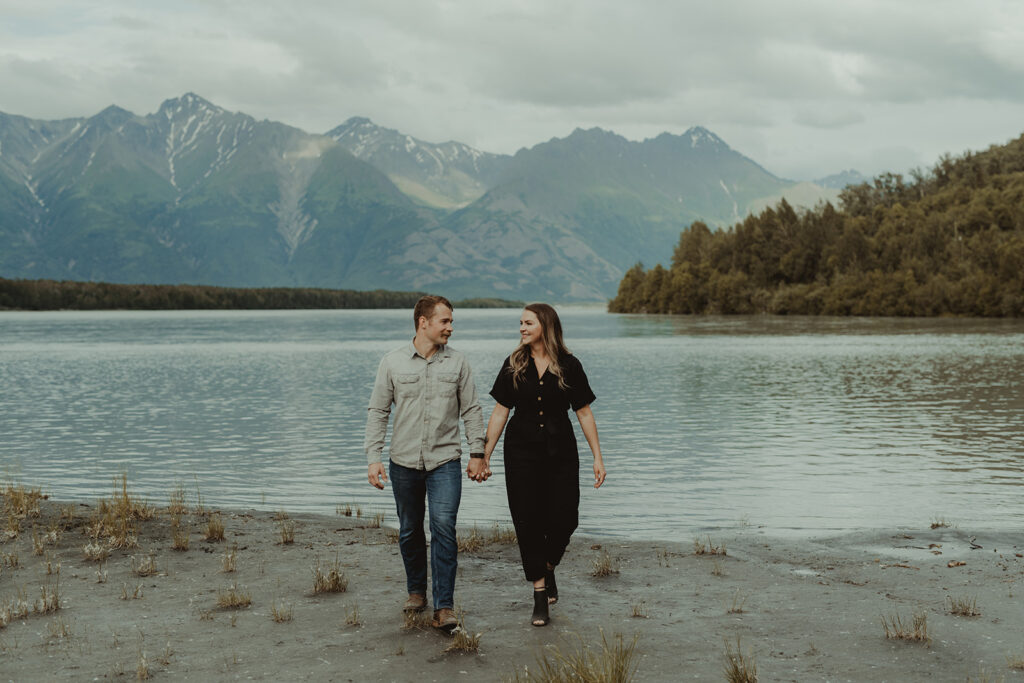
[(431, 386)]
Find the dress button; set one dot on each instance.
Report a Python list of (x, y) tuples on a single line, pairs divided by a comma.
[(542, 382), (541, 424), (541, 412), (538, 398)]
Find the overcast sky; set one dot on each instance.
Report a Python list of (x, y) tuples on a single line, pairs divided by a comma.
[(804, 88)]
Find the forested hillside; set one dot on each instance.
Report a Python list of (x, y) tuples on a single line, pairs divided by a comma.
[(945, 242)]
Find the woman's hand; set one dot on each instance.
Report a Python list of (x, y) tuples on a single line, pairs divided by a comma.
[(599, 473)]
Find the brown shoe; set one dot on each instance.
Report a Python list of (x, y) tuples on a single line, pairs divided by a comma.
[(415, 603), (445, 620)]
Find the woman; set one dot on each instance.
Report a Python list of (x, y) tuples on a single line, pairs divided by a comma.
[(541, 381)]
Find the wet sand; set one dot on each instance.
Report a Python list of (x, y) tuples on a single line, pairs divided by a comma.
[(805, 609)]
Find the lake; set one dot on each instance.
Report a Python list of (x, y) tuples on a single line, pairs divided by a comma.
[(794, 425)]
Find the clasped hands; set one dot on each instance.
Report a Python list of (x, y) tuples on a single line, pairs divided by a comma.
[(478, 470)]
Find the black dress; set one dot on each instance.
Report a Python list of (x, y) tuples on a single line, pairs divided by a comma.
[(542, 466)]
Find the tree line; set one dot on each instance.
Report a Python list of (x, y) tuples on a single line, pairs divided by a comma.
[(49, 295), (949, 241)]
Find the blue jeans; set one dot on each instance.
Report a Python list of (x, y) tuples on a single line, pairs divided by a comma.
[(442, 489)]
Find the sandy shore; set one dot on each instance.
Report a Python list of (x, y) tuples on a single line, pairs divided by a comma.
[(806, 610)]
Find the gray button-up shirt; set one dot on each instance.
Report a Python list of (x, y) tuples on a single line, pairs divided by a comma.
[(429, 396)]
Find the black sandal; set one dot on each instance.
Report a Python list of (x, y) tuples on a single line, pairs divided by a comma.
[(550, 585), (540, 607)]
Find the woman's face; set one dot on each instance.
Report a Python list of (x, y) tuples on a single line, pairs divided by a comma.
[(530, 329)]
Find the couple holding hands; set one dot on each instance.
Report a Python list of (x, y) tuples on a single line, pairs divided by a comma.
[(430, 387)]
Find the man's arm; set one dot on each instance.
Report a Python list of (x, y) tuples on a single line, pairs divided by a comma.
[(377, 425), (472, 415)]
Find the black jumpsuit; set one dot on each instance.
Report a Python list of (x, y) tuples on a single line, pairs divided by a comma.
[(542, 465)]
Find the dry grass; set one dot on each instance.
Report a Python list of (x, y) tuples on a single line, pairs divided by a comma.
[(230, 559), (739, 667), (58, 628), (605, 565), (94, 552), (49, 598), (472, 542), (21, 502), (417, 621), (916, 632), (135, 594), (281, 515), (737, 603), (287, 532), (701, 547), (145, 566), (612, 662), (176, 500), (716, 568), (1015, 662), (142, 667), (331, 581), (463, 640), (214, 529), (502, 535), (391, 536), (280, 614), (963, 606), (352, 617), (115, 518), (940, 523), (10, 560), (639, 610), (233, 598), (376, 521), (345, 510), (179, 536)]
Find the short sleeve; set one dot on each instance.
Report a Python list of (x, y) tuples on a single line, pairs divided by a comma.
[(503, 392), (580, 393)]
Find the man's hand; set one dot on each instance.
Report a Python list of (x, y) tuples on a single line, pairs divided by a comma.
[(478, 470), (377, 475)]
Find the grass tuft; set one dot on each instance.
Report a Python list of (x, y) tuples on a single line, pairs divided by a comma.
[(352, 617), (737, 604), (287, 532), (472, 542), (463, 640), (233, 598), (280, 614), (605, 565), (708, 548), (144, 566), (330, 581), (417, 621), (639, 610), (739, 667), (916, 632), (615, 661), (502, 535), (214, 528), (230, 559), (963, 606)]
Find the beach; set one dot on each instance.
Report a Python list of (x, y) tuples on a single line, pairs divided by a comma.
[(796, 608)]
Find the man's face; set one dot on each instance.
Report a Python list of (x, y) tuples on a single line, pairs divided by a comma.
[(438, 327)]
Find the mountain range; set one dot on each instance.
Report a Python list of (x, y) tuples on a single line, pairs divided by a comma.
[(197, 194)]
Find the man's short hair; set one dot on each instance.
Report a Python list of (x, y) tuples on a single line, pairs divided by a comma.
[(425, 308)]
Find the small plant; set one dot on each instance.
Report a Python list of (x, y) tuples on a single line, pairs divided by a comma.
[(179, 536), (345, 509), (940, 523), (49, 599), (233, 598), (963, 606), (135, 594), (415, 621), (605, 565), (10, 560), (331, 581), (352, 617), (37, 542), (281, 515), (199, 509), (142, 667), (230, 559), (214, 528), (165, 658), (663, 555), (280, 614), (639, 610), (917, 632), (58, 628), (376, 520), (145, 566), (1015, 662), (470, 543), (708, 548), (463, 640), (615, 661), (94, 552), (716, 568), (737, 604), (391, 536), (101, 574), (502, 535), (287, 529), (739, 668), (176, 500)]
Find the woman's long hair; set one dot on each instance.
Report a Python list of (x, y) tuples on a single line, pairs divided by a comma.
[(554, 345)]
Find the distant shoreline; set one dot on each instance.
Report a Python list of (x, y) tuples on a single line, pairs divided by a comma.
[(66, 295)]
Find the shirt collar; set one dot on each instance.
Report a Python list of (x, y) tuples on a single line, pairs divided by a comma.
[(442, 351)]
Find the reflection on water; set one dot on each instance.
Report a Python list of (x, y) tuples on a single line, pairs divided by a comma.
[(801, 424)]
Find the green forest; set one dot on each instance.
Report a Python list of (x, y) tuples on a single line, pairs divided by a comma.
[(49, 295), (949, 241)]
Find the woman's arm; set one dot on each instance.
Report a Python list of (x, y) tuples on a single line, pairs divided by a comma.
[(589, 426), (495, 426)]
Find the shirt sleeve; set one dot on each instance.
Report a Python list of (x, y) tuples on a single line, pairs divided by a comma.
[(472, 415), (502, 391), (377, 414), (580, 393)]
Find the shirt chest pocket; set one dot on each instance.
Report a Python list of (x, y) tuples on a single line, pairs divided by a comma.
[(407, 386), (447, 383)]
